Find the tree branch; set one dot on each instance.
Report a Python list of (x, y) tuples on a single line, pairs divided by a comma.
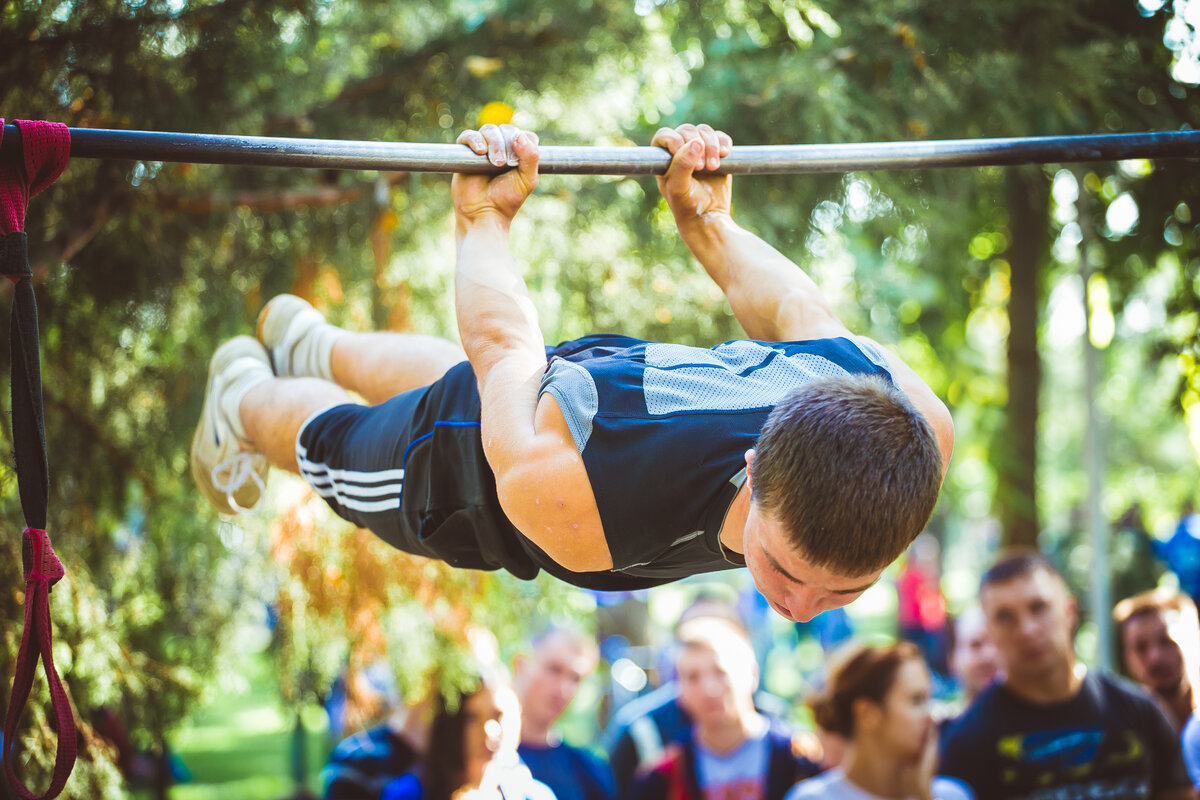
[(264, 202)]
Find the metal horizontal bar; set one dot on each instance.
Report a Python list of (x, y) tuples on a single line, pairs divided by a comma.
[(264, 151)]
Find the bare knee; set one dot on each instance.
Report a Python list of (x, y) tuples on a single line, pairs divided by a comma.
[(444, 354), (273, 411)]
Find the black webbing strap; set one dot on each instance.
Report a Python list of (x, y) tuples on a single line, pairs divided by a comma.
[(28, 424), (42, 569)]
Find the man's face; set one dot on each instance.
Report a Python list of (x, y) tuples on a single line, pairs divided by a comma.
[(974, 661), (796, 589), (1031, 620), (549, 680), (1155, 660), (712, 685)]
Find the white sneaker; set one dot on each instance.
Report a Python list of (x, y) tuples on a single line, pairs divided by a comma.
[(229, 473), (298, 338)]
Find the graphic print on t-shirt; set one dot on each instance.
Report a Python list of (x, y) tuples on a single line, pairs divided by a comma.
[(745, 789), (739, 775), (1071, 763)]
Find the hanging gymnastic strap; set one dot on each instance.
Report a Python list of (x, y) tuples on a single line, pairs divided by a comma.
[(46, 146)]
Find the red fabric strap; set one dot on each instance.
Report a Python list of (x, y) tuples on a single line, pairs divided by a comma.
[(46, 147), (42, 570)]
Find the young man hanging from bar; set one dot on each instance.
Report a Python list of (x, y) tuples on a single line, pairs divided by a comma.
[(808, 454)]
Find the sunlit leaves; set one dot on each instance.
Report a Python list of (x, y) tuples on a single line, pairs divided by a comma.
[(144, 268)]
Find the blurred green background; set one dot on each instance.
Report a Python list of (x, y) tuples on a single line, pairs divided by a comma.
[(211, 638)]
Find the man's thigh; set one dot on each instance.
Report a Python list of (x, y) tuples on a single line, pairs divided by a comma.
[(353, 456), (412, 471)]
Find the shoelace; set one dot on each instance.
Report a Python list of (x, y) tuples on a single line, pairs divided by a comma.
[(230, 475)]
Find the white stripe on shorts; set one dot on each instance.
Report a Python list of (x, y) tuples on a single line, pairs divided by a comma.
[(368, 492)]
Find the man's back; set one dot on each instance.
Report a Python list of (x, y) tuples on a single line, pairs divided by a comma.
[(640, 410), (363, 764), (637, 411), (1109, 740)]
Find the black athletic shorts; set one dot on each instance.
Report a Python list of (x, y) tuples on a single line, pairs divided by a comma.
[(412, 471)]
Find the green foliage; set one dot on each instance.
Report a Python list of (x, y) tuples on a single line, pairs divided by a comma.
[(921, 259), (143, 268)]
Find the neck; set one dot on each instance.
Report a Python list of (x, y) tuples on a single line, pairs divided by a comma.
[(536, 732), (1057, 684), (877, 771), (734, 527), (729, 734), (1179, 704)]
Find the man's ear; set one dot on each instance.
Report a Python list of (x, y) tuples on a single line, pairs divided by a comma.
[(750, 469), (1073, 610)]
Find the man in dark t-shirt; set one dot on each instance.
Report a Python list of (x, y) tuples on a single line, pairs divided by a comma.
[(808, 454), (1052, 730), (546, 681)]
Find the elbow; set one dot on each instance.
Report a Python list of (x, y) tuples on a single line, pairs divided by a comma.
[(805, 309), (573, 561), (798, 313), (484, 331)]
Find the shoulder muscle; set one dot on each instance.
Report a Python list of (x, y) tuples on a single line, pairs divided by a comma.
[(544, 490)]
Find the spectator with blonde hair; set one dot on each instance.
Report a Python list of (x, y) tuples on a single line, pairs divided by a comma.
[(1160, 645), (732, 750), (641, 731), (1160, 642), (876, 703)]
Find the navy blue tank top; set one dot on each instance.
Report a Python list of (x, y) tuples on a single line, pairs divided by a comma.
[(663, 430)]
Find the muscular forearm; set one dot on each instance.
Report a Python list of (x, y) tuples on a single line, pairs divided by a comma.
[(496, 318), (772, 298)]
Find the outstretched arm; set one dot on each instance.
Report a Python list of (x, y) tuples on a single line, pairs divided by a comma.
[(496, 318), (772, 298), (540, 479)]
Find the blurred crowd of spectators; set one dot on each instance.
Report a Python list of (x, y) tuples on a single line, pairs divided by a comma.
[(993, 703)]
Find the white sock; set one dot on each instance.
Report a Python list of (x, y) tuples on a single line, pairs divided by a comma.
[(311, 354), (240, 377)]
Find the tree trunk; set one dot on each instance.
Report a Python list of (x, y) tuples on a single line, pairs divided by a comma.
[(161, 787), (299, 754), (1016, 452)]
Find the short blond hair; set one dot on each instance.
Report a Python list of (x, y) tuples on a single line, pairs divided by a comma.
[(1155, 601), (720, 636), (1180, 617)]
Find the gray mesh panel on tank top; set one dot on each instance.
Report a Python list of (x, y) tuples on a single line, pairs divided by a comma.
[(730, 377), (873, 351), (575, 390)]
